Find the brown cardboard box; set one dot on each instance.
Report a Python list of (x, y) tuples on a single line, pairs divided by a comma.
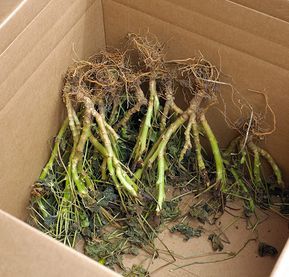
[(39, 39)]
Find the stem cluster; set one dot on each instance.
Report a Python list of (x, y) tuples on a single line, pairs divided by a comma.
[(125, 135)]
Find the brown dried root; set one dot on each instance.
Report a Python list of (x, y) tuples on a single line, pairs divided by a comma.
[(259, 131), (193, 75), (140, 101), (150, 52), (149, 49), (250, 130)]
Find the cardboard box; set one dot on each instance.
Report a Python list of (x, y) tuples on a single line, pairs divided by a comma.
[(39, 39)]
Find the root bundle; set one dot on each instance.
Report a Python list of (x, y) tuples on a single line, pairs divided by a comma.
[(125, 140)]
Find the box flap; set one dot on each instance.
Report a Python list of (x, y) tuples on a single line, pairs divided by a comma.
[(28, 252)]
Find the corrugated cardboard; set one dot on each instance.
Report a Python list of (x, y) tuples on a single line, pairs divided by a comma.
[(25, 252), (39, 39)]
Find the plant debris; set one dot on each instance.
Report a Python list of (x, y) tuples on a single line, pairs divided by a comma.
[(171, 210), (126, 140), (265, 249), (200, 212), (136, 271), (187, 231), (216, 242)]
